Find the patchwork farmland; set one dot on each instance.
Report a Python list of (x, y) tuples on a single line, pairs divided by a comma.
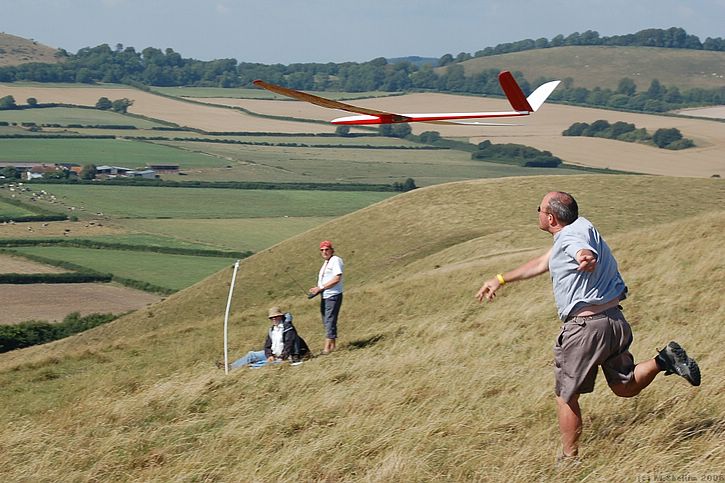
[(247, 135)]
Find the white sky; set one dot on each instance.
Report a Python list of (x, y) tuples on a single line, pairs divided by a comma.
[(289, 31)]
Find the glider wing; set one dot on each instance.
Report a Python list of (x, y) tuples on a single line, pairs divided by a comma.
[(522, 105)]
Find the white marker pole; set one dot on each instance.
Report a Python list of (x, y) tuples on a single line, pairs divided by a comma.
[(226, 319)]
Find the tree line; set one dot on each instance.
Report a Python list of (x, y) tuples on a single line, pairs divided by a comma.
[(665, 138), (672, 38)]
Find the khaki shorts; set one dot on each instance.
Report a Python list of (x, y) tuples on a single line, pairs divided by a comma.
[(588, 342)]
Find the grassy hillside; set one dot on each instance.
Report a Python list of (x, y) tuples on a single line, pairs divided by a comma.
[(427, 384), (599, 66), (17, 50)]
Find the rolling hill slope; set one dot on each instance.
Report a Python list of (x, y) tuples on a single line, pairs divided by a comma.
[(600, 66), (427, 384), (16, 50)]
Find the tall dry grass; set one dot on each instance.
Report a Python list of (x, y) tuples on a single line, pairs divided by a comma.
[(427, 385)]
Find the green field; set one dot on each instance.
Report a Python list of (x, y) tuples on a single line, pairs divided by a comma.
[(118, 152), (165, 270), (221, 219), (152, 202), (7, 209), (253, 234), (74, 115), (351, 165), (271, 163)]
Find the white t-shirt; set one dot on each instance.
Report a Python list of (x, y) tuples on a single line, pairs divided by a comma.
[(277, 339), (331, 268)]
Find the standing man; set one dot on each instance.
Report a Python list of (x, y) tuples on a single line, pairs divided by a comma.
[(587, 290), (329, 283)]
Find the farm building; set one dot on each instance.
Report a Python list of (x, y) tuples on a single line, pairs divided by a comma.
[(111, 171), (165, 168), (145, 173), (30, 171), (39, 170)]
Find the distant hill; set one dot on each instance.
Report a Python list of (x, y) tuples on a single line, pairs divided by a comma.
[(605, 66), (18, 50)]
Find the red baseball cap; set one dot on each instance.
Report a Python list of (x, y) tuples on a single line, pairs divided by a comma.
[(326, 244)]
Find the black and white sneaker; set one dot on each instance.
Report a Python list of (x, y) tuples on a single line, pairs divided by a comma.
[(674, 360)]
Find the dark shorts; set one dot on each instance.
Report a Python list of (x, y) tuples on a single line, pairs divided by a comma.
[(586, 343), (329, 309)]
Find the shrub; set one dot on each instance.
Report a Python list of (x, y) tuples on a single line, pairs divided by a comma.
[(620, 127), (430, 137), (597, 128), (637, 135), (576, 129), (664, 136), (26, 334), (516, 154)]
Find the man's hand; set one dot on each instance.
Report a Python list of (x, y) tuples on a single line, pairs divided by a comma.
[(270, 359), (587, 260), (314, 291), (488, 291)]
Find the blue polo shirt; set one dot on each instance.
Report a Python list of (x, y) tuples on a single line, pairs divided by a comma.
[(574, 289)]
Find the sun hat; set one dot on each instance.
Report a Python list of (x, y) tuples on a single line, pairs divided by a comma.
[(275, 312), (326, 244)]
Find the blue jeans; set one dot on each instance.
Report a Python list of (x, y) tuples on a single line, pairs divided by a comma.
[(330, 309), (252, 357)]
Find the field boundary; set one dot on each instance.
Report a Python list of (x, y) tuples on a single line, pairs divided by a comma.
[(240, 185), (81, 243)]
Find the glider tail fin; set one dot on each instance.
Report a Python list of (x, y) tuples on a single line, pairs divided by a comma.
[(516, 96), (537, 98), (513, 92)]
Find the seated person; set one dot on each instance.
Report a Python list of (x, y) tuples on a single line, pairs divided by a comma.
[(282, 343)]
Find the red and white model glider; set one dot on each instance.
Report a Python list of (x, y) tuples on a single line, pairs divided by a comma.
[(522, 106)]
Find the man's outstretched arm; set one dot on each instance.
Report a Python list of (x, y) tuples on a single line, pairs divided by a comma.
[(530, 269)]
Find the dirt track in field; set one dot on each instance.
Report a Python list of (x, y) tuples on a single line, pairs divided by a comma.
[(717, 112), (52, 302)]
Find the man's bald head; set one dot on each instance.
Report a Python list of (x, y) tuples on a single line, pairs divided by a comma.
[(563, 206)]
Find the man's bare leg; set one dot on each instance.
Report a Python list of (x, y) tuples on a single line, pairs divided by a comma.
[(570, 424), (644, 374)]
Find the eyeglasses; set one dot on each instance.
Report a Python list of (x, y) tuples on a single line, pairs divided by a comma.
[(538, 210)]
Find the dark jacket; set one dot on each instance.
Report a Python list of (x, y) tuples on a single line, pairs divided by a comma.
[(293, 344)]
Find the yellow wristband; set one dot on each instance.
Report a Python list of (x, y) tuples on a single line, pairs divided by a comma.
[(500, 279)]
